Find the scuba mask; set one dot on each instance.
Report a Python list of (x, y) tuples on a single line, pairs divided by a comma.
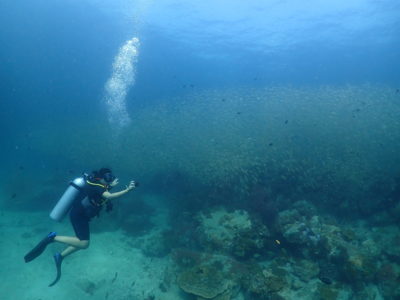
[(108, 177)]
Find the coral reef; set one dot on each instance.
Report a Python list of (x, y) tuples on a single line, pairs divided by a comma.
[(300, 229), (208, 276), (327, 292), (342, 254), (204, 281), (388, 280), (234, 233), (305, 270), (314, 255), (262, 282)]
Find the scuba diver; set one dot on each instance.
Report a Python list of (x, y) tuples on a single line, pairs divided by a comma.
[(84, 198)]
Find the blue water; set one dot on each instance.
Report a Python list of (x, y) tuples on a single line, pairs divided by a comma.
[(217, 101)]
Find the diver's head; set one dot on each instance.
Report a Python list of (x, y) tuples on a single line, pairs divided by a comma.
[(106, 175)]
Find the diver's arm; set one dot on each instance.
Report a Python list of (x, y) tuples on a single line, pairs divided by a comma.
[(109, 196)]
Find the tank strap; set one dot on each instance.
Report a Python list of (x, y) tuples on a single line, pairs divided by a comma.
[(76, 186)]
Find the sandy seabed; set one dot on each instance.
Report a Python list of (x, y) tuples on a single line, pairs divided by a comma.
[(111, 268)]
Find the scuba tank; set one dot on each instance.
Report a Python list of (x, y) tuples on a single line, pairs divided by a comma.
[(73, 191)]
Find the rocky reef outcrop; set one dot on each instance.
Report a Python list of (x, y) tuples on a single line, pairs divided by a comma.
[(302, 255), (233, 233)]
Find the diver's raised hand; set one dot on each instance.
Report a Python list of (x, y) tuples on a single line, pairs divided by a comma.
[(131, 185), (114, 183)]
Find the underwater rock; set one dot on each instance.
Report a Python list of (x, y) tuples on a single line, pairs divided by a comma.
[(325, 279), (298, 230), (371, 248), (233, 233), (319, 239), (348, 234), (359, 268), (296, 233), (340, 253), (204, 281), (209, 275), (262, 283), (328, 272), (387, 278), (305, 270), (304, 208), (327, 292), (185, 258), (391, 246), (223, 296), (288, 217)]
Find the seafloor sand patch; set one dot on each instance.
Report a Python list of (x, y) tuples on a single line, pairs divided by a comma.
[(110, 269)]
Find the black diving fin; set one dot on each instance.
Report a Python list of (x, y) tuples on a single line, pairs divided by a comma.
[(39, 248), (58, 260)]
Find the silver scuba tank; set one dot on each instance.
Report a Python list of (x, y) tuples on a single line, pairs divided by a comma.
[(67, 199)]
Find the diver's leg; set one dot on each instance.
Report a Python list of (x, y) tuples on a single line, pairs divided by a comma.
[(59, 257), (72, 241), (69, 250)]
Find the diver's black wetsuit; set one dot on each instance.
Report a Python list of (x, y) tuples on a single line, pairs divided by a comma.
[(86, 207)]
